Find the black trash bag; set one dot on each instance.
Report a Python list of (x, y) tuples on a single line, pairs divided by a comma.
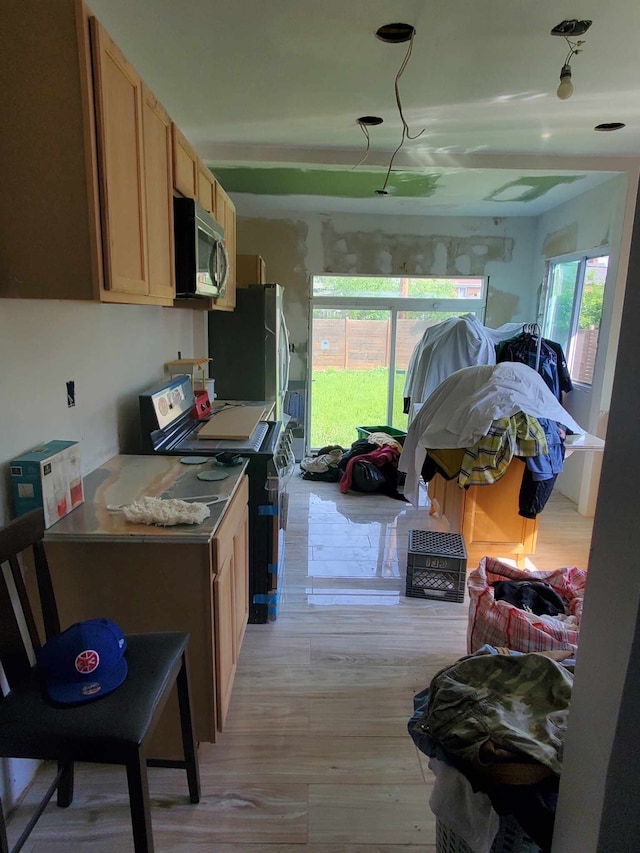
[(367, 477)]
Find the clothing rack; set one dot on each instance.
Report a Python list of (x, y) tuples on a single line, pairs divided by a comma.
[(533, 329)]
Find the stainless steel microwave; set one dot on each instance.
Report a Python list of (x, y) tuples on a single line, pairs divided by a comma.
[(202, 264)]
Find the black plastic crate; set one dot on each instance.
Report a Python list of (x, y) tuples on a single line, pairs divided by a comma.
[(436, 565)]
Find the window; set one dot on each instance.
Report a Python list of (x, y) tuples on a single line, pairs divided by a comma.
[(461, 288), (363, 331), (573, 310)]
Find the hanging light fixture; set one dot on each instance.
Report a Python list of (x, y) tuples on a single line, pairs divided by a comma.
[(566, 29), (396, 34), (565, 89)]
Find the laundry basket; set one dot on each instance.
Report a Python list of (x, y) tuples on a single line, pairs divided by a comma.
[(501, 624), (510, 839)]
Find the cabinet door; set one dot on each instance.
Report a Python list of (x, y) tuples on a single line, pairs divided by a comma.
[(185, 164), (250, 269), (118, 97), (230, 594), (224, 635), (206, 189), (158, 170), (226, 214), (241, 581)]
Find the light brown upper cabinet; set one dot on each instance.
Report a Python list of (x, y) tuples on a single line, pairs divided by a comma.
[(76, 135), (185, 164), (250, 269), (191, 177), (226, 216), (134, 164), (156, 127), (118, 99), (206, 188)]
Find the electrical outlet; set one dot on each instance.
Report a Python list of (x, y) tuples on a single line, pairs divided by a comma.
[(71, 394)]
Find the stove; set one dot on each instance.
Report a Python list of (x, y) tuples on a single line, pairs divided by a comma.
[(168, 425)]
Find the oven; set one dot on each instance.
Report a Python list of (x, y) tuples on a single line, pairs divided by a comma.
[(168, 425)]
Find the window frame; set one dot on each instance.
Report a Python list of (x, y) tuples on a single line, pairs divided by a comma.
[(576, 307), (438, 303)]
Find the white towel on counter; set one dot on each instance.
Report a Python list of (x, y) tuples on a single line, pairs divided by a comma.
[(165, 512)]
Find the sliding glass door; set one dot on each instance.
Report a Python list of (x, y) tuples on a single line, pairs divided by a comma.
[(361, 346)]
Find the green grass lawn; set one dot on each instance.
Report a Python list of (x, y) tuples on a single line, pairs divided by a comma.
[(341, 400)]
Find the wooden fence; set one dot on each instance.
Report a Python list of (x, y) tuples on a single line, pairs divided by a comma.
[(362, 344)]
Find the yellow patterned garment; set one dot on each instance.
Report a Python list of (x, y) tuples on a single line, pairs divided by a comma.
[(487, 460)]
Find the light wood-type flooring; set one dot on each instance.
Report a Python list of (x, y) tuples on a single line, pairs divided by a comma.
[(316, 755)]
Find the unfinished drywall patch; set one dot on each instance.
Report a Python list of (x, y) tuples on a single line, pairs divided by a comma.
[(382, 253), (502, 307), (282, 243), (337, 183), (564, 241), (530, 188)]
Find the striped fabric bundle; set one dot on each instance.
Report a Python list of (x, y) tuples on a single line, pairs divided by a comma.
[(487, 460)]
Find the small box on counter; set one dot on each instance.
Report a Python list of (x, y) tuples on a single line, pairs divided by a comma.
[(49, 476)]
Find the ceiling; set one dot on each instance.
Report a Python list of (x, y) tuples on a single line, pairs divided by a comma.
[(269, 94)]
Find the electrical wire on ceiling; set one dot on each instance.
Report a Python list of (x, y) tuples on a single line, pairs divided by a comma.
[(365, 122), (405, 127), (363, 128)]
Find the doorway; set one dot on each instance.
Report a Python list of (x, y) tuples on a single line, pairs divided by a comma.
[(363, 331)]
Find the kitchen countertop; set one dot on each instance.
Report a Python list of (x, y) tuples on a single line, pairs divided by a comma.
[(124, 479)]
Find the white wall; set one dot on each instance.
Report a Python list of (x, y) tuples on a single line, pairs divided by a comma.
[(112, 352), (598, 804), (595, 220), (297, 245)]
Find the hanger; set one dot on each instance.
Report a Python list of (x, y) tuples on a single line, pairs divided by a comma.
[(532, 329)]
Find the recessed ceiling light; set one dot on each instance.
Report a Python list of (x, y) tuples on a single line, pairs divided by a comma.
[(395, 33), (369, 120), (611, 125)]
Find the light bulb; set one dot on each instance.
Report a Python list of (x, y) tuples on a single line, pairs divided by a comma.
[(565, 89)]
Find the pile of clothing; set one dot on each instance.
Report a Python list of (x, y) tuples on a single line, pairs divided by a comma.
[(448, 346), (369, 465), (478, 420), (493, 725), (545, 356)]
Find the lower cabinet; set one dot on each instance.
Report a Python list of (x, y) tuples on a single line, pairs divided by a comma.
[(230, 595), (199, 587)]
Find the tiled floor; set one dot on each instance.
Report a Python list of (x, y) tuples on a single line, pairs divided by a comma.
[(316, 754)]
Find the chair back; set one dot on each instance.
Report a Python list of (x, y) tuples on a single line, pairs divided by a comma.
[(19, 634)]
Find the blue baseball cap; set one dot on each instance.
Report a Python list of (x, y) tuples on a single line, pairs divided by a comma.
[(84, 662)]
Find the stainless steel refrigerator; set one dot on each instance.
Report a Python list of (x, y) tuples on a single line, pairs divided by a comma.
[(249, 347)]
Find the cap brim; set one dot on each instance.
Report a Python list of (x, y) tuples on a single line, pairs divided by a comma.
[(87, 691)]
